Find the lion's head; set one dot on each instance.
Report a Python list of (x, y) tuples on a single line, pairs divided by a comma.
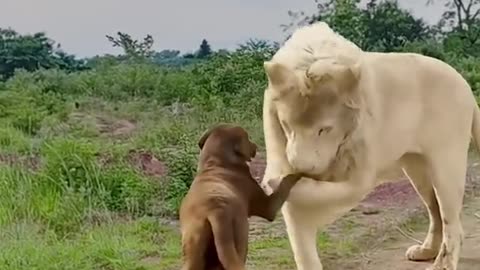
[(319, 111)]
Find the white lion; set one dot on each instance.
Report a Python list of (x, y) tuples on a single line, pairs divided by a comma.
[(352, 118)]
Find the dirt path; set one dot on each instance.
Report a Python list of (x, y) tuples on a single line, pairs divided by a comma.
[(391, 256), (375, 235)]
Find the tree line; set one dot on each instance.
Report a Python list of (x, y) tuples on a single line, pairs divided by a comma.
[(376, 25)]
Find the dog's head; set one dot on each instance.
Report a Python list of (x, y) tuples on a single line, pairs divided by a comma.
[(230, 141)]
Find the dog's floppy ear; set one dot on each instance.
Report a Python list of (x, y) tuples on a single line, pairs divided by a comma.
[(244, 148), (204, 137)]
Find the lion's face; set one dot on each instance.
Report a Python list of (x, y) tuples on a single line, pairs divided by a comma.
[(315, 111)]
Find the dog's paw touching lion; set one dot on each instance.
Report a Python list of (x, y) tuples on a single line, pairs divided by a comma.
[(348, 118)]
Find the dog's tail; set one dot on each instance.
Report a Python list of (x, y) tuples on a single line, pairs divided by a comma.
[(223, 235)]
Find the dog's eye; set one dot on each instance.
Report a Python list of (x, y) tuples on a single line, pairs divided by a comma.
[(324, 130)]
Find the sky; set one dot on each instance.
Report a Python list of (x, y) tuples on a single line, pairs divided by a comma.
[(80, 26)]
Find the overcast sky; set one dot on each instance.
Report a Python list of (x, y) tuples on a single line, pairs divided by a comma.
[(81, 25)]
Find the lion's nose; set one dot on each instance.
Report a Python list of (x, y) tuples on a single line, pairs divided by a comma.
[(301, 164)]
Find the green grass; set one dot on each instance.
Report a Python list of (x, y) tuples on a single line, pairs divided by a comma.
[(115, 245), (85, 204)]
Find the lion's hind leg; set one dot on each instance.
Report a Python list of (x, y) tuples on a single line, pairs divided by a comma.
[(449, 165), (418, 172)]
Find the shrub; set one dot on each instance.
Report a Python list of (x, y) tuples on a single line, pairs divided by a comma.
[(470, 69), (182, 164), (25, 107), (124, 190), (14, 140)]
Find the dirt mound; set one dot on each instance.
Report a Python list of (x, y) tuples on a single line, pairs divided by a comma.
[(147, 163), (115, 127), (105, 125), (395, 193)]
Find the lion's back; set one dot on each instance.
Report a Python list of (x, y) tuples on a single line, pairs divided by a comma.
[(418, 75), (418, 97)]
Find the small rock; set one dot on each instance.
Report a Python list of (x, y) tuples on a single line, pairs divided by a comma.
[(370, 211)]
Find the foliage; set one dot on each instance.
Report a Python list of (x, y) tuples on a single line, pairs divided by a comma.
[(182, 168), (388, 27), (381, 26), (204, 50), (32, 52), (131, 47), (227, 73), (460, 14)]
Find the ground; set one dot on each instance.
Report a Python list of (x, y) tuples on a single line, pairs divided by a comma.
[(373, 236)]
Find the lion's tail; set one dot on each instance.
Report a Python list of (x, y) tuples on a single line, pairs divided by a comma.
[(476, 127)]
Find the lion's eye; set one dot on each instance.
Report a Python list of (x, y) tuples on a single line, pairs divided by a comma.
[(324, 130)]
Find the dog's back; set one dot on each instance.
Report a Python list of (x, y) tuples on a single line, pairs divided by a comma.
[(214, 213)]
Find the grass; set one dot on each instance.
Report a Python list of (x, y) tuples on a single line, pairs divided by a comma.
[(109, 246), (83, 203)]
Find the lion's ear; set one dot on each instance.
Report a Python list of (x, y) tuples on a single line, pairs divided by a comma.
[(280, 77), (343, 72)]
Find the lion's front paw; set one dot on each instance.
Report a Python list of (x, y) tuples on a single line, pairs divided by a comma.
[(270, 185), (444, 261), (274, 183), (441, 266), (419, 253)]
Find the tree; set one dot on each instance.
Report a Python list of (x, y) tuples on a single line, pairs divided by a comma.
[(460, 26), (32, 52), (165, 54), (204, 50), (380, 26), (389, 27), (462, 14), (132, 47)]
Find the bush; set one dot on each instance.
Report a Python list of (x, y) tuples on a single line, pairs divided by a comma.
[(470, 69), (25, 107), (428, 48), (71, 164), (124, 190), (14, 140), (226, 74), (182, 166)]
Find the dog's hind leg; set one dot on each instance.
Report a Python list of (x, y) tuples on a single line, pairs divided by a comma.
[(224, 237), (194, 245), (241, 227)]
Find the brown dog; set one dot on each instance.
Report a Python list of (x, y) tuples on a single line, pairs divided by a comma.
[(214, 214)]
